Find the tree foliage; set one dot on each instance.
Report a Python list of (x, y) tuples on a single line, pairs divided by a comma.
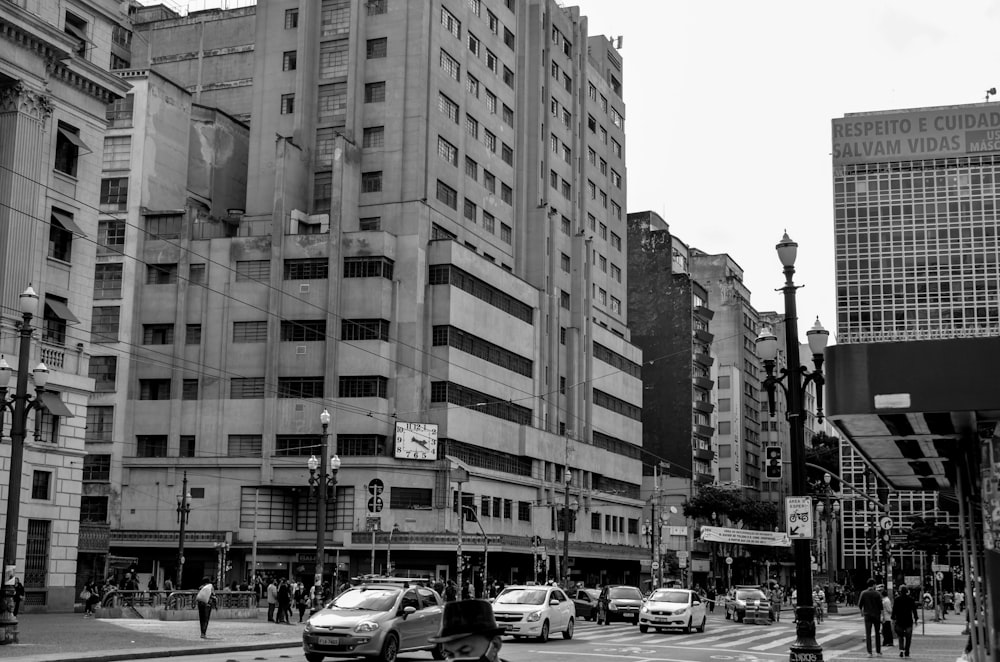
[(732, 505), (824, 450), (926, 535)]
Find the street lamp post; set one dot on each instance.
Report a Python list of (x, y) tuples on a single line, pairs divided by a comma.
[(486, 549), (19, 406), (388, 550), (805, 646), (323, 487), (832, 513), (183, 515), (568, 478), (460, 475)]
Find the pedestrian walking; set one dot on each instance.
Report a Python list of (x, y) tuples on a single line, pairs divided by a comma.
[(886, 619), (206, 602), (301, 598), (168, 585), (18, 595), (710, 597), (272, 600), (467, 591), (904, 616), (284, 602), (870, 604), (451, 591)]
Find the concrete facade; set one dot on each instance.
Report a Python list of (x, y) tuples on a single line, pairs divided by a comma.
[(398, 261)]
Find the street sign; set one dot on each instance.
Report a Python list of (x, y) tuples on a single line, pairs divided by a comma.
[(655, 565), (373, 523), (677, 530), (375, 504), (683, 554), (729, 560), (940, 567), (376, 486), (799, 517), (885, 522), (682, 563), (939, 576)]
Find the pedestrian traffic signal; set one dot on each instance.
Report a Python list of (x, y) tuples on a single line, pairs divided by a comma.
[(772, 470)]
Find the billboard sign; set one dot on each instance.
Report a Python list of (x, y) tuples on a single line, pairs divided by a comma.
[(916, 134)]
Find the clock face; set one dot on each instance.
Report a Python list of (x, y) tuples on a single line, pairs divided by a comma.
[(416, 441)]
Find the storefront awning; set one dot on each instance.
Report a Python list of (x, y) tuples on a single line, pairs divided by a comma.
[(914, 409), (61, 310)]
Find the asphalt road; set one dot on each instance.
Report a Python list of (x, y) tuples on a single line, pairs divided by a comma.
[(842, 640)]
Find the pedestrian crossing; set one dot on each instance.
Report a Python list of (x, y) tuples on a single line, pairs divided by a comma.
[(835, 637)]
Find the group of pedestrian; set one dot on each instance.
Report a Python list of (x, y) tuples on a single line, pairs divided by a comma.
[(887, 617), (283, 595)]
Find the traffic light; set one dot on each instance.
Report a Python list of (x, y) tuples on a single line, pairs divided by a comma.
[(772, 470)]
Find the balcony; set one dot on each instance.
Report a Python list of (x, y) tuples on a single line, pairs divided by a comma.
[(703, 406), (165, 537), (704, 359), (704, 336), (56, 356), (703, 383), (703, 454), (703, 431), (703, 479), (94, 537), (704, 313)]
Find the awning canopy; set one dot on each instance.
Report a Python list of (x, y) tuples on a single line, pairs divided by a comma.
[(61, 310), (74, 138), (914, 409), (55, 406), (67, 222)]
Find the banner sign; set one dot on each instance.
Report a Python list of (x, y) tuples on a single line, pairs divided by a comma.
[(745, 536)]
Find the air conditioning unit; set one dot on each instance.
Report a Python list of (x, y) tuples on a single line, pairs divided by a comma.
[(300, 350)]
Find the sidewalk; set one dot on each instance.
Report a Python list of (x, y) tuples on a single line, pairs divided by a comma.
[(932, 642), (66, 637)]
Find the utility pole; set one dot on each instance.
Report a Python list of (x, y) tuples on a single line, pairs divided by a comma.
[(183, 513)]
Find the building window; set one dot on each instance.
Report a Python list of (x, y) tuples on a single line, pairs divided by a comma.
[(36, 558), (472, 85), (192, 334), (471, 169), (154, 389), (161, 274), (470, 211), (189, 389), (364, 329), (196, 274), (244, 388), (244, 445), (68, 148), (725, 427), (507, 154), (96, 468), (119, 113), (376, 7), (506, 194), (110, 237), (450, 66), (450, 23), (371, 182), (365, 386), (306, 268), (40, 485), (187, 445), (448, 107), (489, 181), (108, 281), (375, 92), (114, 194), (508, 39), (376, 48), (410, 498), (303, 330), (103, 370), (447, 151), (616, 242), (257, 270), (289, 60), (489, 222), (474, 44), (291, 19), (94, 509), (374, 136), (491, 60), (447, 195), (286, 445), (368, 267), (287, 104), (117, 153), (151, 445), (508, 77), (370, 224), (508, 115), (99, 423), (157, 334), (300, 387), (244, 332)]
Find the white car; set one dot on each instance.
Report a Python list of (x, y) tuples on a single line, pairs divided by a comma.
[(672, 608), (535, 611)]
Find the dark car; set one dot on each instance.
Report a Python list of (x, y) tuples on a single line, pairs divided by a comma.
[(748, 600), (585, 600), (619, 603)]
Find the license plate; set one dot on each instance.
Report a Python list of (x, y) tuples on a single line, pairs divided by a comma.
[(507, 626), (330, 641)]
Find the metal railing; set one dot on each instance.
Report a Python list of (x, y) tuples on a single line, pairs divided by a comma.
[(177, 600)]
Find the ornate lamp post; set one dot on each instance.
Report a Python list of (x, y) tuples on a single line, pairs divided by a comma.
[(805, 646), (567, 514), (323, 487), (19, 405), (183, 514)]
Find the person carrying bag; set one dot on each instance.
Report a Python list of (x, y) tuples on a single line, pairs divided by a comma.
[(206, 602)]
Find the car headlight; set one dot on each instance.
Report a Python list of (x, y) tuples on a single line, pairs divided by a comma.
[(309, 626), (613, 607), (644, 609), (366, 626), (681, 612), (534, 616)]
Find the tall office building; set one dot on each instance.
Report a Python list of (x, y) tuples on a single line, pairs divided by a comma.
[(435, 257), (915, 222), (54, 88)]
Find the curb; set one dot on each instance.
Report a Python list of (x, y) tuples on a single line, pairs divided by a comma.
[(147, 653)]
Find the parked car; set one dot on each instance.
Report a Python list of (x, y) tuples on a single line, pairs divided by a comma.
[(673, 608), (619, 603), (744, 599), (377, 621), (585, 600), (535, 611)]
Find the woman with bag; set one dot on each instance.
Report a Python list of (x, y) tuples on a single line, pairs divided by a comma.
[(85, 595), (206, 601), (886, 619)]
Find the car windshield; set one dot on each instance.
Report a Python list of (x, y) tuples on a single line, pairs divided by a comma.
[(750, 594), (522, 596), (592, 593), (670, 596), (624, 593), (370, 599)]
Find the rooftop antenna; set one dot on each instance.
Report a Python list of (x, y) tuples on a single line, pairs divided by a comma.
[(991, 92)]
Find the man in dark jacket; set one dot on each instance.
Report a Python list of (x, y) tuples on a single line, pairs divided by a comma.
[(284, 602), (469, 632), (870, 604), (904, 615)]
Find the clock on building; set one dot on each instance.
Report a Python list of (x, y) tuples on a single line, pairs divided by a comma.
[(416, 441)]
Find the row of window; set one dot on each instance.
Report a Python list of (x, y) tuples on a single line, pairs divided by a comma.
[(450, 109), (242, 388)]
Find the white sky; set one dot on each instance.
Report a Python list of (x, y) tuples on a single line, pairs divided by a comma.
[(729, 103)]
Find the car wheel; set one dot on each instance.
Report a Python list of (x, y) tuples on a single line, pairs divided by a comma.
[(568, 632), (543, 636), (740, 616), (644, 629), (390, 649), (727, 613), (703, 620), (314, 657), (438, 652)]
